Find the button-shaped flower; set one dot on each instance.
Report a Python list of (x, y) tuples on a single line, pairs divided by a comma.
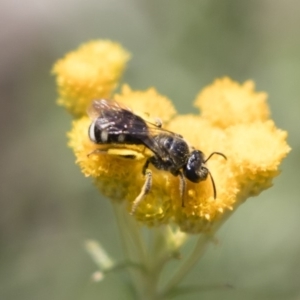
[(234, 120)]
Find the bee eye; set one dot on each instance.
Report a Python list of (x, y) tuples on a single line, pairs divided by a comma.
[(195, 169)]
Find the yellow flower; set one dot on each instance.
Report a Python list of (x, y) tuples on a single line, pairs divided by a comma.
[(226, 103), (234, 120), (90, 72), (256, 151)]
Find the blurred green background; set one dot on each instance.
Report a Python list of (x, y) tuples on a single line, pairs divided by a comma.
[(48, 209)]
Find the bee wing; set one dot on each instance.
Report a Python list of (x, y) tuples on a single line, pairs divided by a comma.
[(152, 143), (117, 119), (100, 108)]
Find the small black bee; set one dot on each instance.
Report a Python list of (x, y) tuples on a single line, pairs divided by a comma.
[(115, 124)]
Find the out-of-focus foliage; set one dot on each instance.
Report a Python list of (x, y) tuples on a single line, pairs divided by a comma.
[(48, 209)]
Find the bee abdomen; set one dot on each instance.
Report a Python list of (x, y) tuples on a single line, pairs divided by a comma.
[(109, 135)]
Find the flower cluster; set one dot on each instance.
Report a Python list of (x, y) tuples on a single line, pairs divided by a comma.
[(234, 120), (90, 72)]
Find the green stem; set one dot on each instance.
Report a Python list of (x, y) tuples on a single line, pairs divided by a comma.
[(135, 233), (144, 279), (128, 248), (153, 258), (196, 254), (150, 278), (188, 264), (121, 231)]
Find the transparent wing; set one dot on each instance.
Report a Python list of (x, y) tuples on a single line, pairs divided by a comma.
[(117, 119), (99, 108)]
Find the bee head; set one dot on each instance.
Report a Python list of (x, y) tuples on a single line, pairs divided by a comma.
[(195, 170)]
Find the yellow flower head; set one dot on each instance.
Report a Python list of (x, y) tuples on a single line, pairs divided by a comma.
[(236, 103), (90, 72), (256, 151), (234, 120)]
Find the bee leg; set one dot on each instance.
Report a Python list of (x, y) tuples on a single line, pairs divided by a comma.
[(145, 189), (145, 167), (182, 187), (97, 151), (124, 153)]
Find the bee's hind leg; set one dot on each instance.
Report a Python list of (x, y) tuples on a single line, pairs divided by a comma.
[(123, 153), (97, 151), (145, 189), (182, 187)]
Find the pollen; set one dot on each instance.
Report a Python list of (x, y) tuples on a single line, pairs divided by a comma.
[(90, 72)]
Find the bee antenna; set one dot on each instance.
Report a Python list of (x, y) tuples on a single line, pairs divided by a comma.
[(211, 178), (213, 153), (213, 184)]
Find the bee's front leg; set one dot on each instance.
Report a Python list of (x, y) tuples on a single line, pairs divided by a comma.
[(145, 189)]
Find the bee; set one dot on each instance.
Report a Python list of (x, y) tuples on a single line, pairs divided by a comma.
[(114, 124)]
